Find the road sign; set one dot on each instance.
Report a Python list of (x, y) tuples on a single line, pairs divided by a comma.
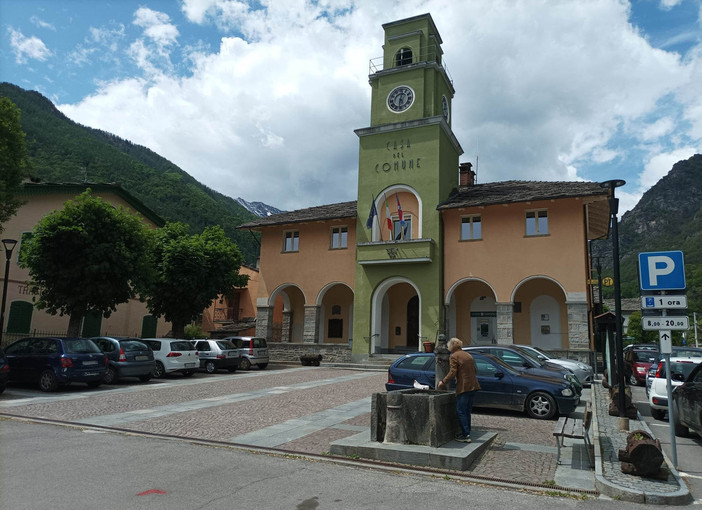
[(662, 302), (665, 323), (662, 270), (666, 341)]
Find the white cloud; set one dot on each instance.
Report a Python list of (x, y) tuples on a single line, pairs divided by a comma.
[(27, 47), (659, 165), (543, 91), (41, 23)]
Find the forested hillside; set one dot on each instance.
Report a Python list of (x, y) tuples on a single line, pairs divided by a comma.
[(64, 151)]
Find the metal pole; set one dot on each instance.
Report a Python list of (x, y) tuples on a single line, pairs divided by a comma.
[(9, 245), (671, 417), (621, 404), (694, 317)]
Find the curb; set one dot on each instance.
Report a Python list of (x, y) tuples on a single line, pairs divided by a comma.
[(614, 491)]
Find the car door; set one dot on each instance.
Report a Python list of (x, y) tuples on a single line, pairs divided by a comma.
[(415, 368), (496, 385), (19, 360), (690, 407)]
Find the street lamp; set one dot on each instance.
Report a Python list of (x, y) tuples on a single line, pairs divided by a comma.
[(9, 245), (613, 209)]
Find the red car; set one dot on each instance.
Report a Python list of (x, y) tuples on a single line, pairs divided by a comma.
[(638, 361)]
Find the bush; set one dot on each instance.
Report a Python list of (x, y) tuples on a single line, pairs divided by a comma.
[(194, 331)]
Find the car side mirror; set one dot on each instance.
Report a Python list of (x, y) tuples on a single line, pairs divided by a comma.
[(499, 375)]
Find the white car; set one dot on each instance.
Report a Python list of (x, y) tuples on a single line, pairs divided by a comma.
[(583, 372), (681, 367), (173, 355)]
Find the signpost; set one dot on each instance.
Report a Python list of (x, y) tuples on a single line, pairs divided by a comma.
[(660, 272)]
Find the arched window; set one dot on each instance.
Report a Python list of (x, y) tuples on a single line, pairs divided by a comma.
[(403, 57)]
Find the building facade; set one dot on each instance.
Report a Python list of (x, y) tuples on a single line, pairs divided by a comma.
[(21, 316), (425, 250)]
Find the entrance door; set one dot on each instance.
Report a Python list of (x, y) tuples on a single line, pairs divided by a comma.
[(413, 322)]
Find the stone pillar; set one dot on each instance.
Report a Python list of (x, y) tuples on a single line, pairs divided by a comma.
[(310, 333), (287, 322), (442, 365), (505, 324), (264, 322), (578, 339)]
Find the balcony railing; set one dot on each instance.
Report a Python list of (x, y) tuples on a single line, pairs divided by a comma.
[(396, 252), (430, 55)]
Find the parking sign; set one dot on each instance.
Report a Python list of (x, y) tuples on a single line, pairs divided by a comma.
[(662, 270)]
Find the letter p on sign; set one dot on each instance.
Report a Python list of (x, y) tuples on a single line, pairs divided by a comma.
[(663, 270)]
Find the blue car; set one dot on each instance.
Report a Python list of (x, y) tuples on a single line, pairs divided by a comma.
[(503, 387), (52, 361)]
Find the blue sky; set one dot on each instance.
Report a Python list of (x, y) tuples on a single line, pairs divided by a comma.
[(260, 99)]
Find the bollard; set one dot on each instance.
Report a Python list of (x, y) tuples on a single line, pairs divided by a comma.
[(394, 428)]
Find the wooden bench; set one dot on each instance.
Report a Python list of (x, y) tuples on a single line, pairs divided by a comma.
[(574, 428)]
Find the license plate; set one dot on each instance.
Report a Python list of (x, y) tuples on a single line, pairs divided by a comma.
[(263, 352), (90, 374), (88, 363), (141, 358), (187, 365)]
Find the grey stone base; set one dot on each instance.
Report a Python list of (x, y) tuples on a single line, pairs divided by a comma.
[(453, 455)]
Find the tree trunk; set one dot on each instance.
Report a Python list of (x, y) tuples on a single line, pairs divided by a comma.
[(74, 324), (178, 327)]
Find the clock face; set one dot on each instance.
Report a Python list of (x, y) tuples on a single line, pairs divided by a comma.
[(400, 98), (445, 107)]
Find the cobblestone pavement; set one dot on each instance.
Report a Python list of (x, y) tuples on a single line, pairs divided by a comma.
[(292, 409)]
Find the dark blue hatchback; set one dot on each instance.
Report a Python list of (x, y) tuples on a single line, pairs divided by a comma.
[(4, 370), (502, 386), (51, 361)]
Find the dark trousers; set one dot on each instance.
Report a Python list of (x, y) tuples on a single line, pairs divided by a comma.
[(464, 406)]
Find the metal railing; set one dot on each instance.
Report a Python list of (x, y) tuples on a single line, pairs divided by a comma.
[(430, 54)]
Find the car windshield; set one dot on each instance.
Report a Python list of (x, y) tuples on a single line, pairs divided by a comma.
[(532, 355), (80, 346), (496, 364), (182, 345), (644, 356)]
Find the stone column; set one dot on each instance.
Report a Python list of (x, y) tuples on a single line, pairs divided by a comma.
[(264, 322), (310, 333), (578, 339), (505, 324), (287, 321), (442, 365)]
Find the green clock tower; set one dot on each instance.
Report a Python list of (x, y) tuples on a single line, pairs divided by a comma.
[(408, 164)]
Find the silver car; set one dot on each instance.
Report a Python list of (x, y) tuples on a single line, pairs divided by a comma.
[(583, 372), (173, 355), (254, 351), (216, 354)]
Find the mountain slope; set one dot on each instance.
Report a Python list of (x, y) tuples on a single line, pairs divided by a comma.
[(64, 151)]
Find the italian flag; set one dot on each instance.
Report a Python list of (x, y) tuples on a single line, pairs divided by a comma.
[(387, 215)]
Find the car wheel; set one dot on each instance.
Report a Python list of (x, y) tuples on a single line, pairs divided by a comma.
[(110, 376), (541, 405), (231, 370), (158, 370), (210, 367), (94, 384), (262, 365), (145, 378), (245, 364), (188, 373), (658, 414), (47, 381), (632, 380)]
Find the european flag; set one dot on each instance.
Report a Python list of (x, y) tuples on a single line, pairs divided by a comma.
[(373, 213)]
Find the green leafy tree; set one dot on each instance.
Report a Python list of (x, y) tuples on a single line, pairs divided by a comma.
[(14, 161), (87, 257), (192, 270)]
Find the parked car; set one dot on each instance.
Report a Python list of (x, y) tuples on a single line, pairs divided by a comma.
[(687, 404), (52, 361), (173, 355), (4, 370), (582, 371), (502, 386), (254, 351), (525, 362), (128, 357), (680, 369), (216, 354), (638, 360), (692, 352)]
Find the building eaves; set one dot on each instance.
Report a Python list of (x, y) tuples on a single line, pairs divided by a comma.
[(46, 188), (506, 192), (319, 213)]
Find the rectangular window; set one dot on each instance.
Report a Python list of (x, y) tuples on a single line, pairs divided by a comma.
[(292, 241), (339, 238), (400, 233), (536, 223), (471, 228)]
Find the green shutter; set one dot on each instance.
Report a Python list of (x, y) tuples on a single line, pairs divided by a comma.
[(20, 318), (91, 324), (148, 326)]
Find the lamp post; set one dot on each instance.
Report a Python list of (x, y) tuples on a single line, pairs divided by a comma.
[(9, 245), (613, 209)]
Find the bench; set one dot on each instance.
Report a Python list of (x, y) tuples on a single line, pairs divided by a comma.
[(574, 428)]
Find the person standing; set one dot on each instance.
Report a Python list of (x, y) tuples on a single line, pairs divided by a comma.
[(462, 367)]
